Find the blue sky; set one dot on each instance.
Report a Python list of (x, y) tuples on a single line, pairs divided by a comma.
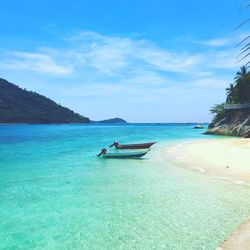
[(144, 61)]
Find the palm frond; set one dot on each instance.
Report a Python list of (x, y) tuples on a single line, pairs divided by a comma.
[(245, 5), (247, 45), (243, 23), (245, 57), (243, 52), (242, 41)]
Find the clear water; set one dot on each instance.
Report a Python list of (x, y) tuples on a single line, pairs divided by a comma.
[(56, 194)]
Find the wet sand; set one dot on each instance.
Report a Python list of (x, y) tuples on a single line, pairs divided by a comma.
[(239, 239)]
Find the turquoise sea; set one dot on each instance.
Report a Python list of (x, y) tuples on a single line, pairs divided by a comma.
[(56, 194)]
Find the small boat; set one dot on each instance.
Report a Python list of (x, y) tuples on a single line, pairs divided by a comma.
[(132, 146), (198, 126), (123, 155)]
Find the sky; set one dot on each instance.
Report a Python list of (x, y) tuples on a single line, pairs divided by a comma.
[(143, 60)]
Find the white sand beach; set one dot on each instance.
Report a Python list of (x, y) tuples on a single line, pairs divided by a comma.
[(227, 159)]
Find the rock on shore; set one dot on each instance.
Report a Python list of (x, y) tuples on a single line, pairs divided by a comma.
[(235, 123)]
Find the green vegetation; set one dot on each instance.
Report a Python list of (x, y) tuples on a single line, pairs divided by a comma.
[(21, 106), (239, 91), (218, 111), (113, 120)]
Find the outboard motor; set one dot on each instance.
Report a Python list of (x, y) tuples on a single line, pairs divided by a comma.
[(116, 143), (104, 151)]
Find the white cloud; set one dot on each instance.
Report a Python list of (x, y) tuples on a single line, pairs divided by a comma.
[(38, 62), (165, 60), (109, 54), (212, 83), (106, 66), (226, 59), (218, 42), (94, 70), (90, 53)]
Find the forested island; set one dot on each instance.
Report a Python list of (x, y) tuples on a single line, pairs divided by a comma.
[(111, 121), (18, 105)]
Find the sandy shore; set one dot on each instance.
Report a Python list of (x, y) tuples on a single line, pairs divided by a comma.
[(227, 159), (239, 239)]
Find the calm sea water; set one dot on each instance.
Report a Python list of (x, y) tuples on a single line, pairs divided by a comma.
[(56, 194)]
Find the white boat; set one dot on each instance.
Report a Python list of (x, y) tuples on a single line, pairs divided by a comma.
[(198, 126), (123, 154)]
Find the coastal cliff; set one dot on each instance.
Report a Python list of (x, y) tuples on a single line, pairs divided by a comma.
[(233, 117), (235, 122)]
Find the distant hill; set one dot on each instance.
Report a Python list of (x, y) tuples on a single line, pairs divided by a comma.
[(18, 105), (113, 120)]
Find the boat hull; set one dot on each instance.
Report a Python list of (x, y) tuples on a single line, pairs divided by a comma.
[(135, 146), (126, 155)]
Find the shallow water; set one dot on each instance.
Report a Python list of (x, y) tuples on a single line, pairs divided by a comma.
[(56, 194)]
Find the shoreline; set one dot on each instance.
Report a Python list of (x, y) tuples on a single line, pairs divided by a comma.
[(238, 239), (223, 158), (227, 159)]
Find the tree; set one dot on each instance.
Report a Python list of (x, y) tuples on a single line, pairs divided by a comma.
[(242, 74), (242, 84), (218, 111), (230, 93)]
